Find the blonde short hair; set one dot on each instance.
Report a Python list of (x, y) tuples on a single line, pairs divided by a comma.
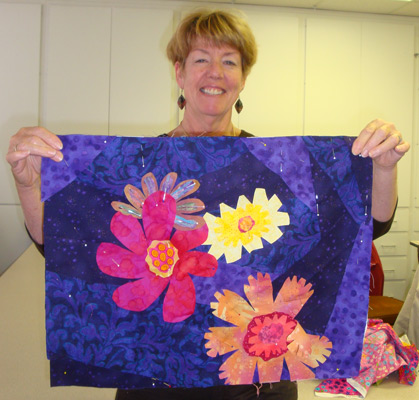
[(218, 28)]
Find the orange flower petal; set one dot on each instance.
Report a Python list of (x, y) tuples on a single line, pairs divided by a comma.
[(296, 368), (270, 371), (233, 308), (260, 293), (292, 296), (238, 369), (222, 340)]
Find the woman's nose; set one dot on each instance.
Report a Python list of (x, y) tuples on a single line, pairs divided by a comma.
[(215, 69)]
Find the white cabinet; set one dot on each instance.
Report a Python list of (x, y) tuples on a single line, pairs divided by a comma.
[(20, 38), (274, 94), (394, 251), (143, 94), (333, 76), (75, 79)]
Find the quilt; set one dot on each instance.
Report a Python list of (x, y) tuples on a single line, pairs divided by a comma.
[(194, 262)]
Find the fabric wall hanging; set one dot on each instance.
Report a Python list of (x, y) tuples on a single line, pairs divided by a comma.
[(205, 261)]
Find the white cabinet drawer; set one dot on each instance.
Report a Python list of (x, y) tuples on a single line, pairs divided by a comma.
[(392, 244), (396, 289), (401, 220), (394, 267)]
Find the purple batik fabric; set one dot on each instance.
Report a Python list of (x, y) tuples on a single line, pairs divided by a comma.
[(194, 262)]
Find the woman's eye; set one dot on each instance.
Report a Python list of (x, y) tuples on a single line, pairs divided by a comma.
[(229, 62), (201, 60)]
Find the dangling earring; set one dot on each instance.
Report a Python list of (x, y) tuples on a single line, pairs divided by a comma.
[(238, 106), (181, 101)]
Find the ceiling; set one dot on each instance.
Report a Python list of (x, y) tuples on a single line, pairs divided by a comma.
[(390, 7)]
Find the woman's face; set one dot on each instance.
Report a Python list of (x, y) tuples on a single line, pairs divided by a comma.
[(211, 78)]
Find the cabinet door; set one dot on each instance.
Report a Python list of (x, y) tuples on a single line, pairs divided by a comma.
[(273, 96), (20, 38), (333, 75), (387, 85), (75, 84), (143, 93)]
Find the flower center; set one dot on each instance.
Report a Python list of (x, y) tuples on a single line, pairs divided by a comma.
[(246, 223), (267, 335), (161, 257)]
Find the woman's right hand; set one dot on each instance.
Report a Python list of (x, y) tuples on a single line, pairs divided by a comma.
[(26, 149)]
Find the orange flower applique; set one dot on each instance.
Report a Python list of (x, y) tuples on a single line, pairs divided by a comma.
[(265, 333)]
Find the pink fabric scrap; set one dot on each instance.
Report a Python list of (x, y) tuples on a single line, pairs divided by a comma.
[(382, 353)]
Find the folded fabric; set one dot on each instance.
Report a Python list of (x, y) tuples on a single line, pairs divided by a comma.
[(383, 353)]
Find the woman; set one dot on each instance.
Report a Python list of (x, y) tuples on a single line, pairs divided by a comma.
[(212, 53)]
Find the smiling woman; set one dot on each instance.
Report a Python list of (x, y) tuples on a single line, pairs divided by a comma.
[(212, 53)]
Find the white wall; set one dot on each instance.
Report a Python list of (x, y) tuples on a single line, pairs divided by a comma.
[(103, 71)]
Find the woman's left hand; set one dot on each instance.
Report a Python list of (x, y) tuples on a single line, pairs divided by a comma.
[(381, 141)]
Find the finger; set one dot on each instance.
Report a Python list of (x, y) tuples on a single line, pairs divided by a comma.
[(35, 134), (15, 156), (390, 141), (364, 136), (31, 149), (51, 138), (376, 133), (403, 147)]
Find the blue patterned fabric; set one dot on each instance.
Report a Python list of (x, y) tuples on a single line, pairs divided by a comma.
[(323, 188)]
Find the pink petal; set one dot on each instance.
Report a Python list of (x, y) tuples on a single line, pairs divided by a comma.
[(116, 261), (187, 240), (196, 263), (179, 302), (139, 295), (159, 212), (129, 232)]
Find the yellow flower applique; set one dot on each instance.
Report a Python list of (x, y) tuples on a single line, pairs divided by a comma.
[(245, 226)]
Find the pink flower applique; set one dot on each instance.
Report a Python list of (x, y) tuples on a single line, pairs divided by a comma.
[(265, 333), (156, 259), (185, 207)]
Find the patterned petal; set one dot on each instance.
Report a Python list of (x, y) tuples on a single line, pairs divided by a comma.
[(222, 340), (292, 296), (179, 302), (270, 371), (139, 295), (238, 369), (190, 206), (196, 263), (168, 182), (187, 240), (149, 184), (260, 293), (158, 216), (116, 261), (135, 196), (188, 223), (126, 209), (129, 232), (233, 308), (185, 188)]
